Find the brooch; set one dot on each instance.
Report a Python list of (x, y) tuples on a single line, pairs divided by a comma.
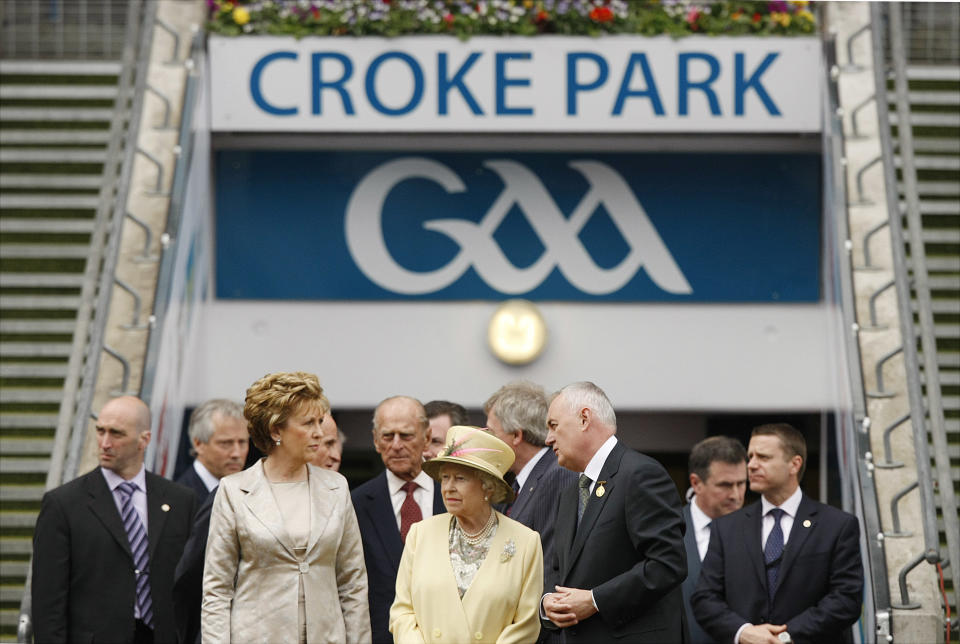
[(509, 549), (600, 490)]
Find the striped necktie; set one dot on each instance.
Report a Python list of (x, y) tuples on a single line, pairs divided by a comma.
[(137, 537), (773, 552)]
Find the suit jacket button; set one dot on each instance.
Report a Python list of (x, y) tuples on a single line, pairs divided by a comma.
[(437, 633), (478, 635)]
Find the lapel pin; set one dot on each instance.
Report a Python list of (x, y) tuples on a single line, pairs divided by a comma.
[(806, 523), (165, 507), (600, 490)]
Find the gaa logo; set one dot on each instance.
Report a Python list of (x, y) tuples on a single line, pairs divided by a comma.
[(478, 248)]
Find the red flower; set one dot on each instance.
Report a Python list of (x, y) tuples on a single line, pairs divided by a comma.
[(542, 16), (316, 13), (448, 18), (757, 17), (601, 14)]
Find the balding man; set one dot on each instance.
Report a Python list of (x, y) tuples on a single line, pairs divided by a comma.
[(620, 557), (106, 544), (390, 503)]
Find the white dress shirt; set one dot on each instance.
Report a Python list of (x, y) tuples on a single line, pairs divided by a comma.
[(524, 472), (423, 495), (209, 480), (596, 463), (789, 507), (701, 527)]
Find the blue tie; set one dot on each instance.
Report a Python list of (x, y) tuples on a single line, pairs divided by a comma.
[(773, 552), (137, 537)]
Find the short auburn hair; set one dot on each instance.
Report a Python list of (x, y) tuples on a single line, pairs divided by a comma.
[(793, 442), (271, 401)]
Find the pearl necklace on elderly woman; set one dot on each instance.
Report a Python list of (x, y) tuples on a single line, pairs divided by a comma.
[(475, 539)]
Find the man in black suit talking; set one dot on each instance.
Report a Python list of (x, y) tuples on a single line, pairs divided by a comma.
[(106, 543), (619, 556), (784, 569), (388, 504)]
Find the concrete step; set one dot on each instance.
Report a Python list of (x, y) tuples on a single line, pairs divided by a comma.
[(59, 181), (35, 349), (947, 331), (33, 370), (48, 224), (40, 280), (924, 188), (11, 594), (941, 235), (37, 326), (935, 207), (948, 360), (50, 137), (940, 264), (923, 144), (61, 67), (72, 92), (933, 72), (22, 493), (17, 519), (28, 421), (51, 155), (943, 282), (16, 545), (928, 97), (57, 251), (13, 568), (40, 302), (14, 465), (928, 119), (64, 114), (945, 306), (950, 378), (924, 162), (15, 446), (29, 395)]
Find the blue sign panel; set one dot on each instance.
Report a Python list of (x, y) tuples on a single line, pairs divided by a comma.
[(544, 226)]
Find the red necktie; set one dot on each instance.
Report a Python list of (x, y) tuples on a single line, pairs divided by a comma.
[(409, 512)]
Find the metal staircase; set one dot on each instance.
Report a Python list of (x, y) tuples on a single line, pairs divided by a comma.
[(934, 115), (56, 123)]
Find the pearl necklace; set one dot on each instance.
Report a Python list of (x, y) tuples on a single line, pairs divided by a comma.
[(476, 539)]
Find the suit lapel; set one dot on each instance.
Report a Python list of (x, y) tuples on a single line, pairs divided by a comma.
[(438, 506), (384, 522), (156, 515), (530, 485), (259, 500), (105, 508), (798, 536), (690, 543), (322, 503), (595, 504), (752, 527), (565, 530)]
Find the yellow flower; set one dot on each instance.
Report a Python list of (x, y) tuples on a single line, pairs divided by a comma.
[(800, 3), (241, 16), (806, 15), (780, 17), (528, 4)]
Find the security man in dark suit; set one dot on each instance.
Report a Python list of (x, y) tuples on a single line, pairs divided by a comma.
[(619, 558), (784, 569), (106, 543), (388, 504), (718, 480), (219, 437)]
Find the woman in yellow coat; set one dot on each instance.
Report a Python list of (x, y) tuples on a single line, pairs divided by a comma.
[(471, 574)]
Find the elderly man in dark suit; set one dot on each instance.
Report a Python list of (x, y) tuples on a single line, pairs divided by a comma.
[(106, 543), (388, 504), (218, 434), (718, 480), (784, 569), (619, 556), (517, 415)]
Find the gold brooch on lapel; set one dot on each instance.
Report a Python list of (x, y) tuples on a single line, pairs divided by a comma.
[(600, 490), (165, 507), (806, 523), (509, 549)]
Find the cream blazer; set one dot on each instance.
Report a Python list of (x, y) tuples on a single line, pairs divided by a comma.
[(250, 578), (502, 604)]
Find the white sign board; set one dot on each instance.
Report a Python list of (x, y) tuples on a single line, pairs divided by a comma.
[(515, 84)]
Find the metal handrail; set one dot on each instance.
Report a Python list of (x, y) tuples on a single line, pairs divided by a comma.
[(854, 445), (931, 536), (79, 352), (921, 287)]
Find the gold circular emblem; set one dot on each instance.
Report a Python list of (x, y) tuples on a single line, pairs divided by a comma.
[(517, 333)]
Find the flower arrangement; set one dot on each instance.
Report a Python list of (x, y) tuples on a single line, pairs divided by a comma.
[(465, 18)]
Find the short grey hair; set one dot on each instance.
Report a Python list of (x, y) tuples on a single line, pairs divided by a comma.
[(422, 422), (201, 420), (521, 407), (587, 394)]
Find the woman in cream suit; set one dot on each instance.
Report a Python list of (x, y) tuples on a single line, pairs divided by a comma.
[(284, 561), (471, 574)]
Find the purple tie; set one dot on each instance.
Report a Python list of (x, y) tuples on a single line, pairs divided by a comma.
[(138, 547)]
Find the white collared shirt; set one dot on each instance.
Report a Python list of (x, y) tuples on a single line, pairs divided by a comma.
[(524, 472), (595, 466), (139, 497), (423, 495), (209, 480), (789, 507), (701, 527)]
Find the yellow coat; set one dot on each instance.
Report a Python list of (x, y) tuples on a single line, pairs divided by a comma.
[(251, 575), (502, 604)]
